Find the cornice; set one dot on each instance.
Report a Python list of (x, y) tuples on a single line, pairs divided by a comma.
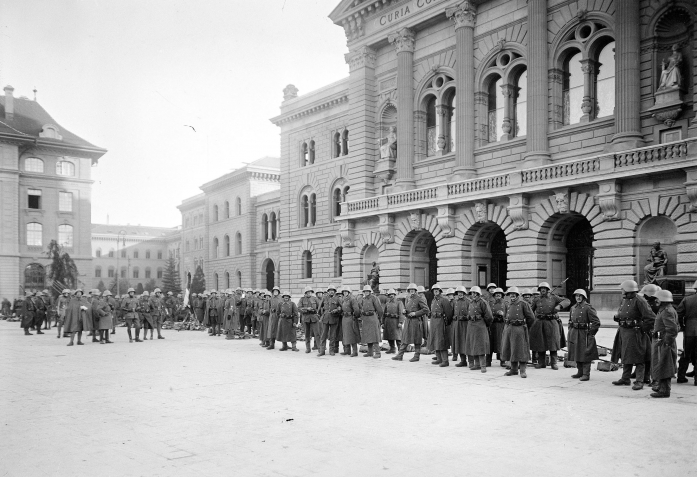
[(309, 110)]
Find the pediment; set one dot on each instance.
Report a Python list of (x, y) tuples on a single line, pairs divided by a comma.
[(344, 7)]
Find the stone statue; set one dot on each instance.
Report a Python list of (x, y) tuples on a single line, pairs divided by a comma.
[(388, 145), (373, 278), (670, 73), (657, 267)]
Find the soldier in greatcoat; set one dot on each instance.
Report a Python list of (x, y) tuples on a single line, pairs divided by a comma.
[(93, 298), (288, 316), (583, 325), (499, 309), (61, 306), (515, 339), (264, 311), (371, 318), (101, 311), (49, 302), (78, 317), (649, 291), (273, 317), (480, 318), (171, 306), (415, 309), (441, 318), (129, 306), (635, 318), (459, 325), (145, 314), (330, 311), (421, 292), (394, 320), (687, 318), (308, 306), (214, 313), (664, 350), (545, 331), (28, 313), (350, 314), (41, 309), (199, 307), (320, 325), (157, 311)]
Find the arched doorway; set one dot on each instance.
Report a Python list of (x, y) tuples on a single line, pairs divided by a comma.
[(423, 261), (569, 245), (489, 260), (499, 259), (579, 258), (34, 277), (270, 271)]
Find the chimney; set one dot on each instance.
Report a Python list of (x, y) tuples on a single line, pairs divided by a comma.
[(9, 103)]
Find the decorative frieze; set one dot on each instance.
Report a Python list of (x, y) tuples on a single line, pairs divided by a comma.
[(464, 14), (518, 211), (609, 199), (386, 226), (446, 220)]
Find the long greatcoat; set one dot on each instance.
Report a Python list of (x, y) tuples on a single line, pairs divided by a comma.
[(273, 317), (545, 334), (630, 343), (515, 339), (28, 312), (479, 314), (687, 318), (394, 316), (101, 312), (499, 309), (412, 330), (581, 344), (441, 314), (287, 316), (665, 354), (350, 313), (214, 303), (371, 317), (264, 310), (77, 319), (458, 329)]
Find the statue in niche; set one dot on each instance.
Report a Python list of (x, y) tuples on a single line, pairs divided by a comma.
[(670, 72), (388, 144), (657, 267), (373, 278)]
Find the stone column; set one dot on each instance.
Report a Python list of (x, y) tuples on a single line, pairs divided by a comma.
[(627, 77), (537, 146), (464, 15), (269, 234), (508, 92), (442, 126), (590, 71), (403, 41)]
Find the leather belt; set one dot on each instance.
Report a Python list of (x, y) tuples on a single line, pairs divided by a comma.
[(579, 326), (367, 313), (546, 317), (515, 322)]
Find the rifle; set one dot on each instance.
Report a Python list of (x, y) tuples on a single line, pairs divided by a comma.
[(559, 286)]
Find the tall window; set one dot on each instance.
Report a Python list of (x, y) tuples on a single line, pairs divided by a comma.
[(605, 82), (65, 235), (304, 155), (147, 254), (311, 153), (65, 168), (215, 247), (148, 272), (215, 281), (159, 254), (98, 272), (98, 253), (33, 164), (111, 272), (159, 272), (520, 110), (345, 142), (272, 219), (34, 199), (238, 206), (572, 91), (135, 254), (336, 202), (111, 253), (239, 278), (495, 112), (187, 246), (238, 244), (338, 272), (34, 234), (227, 209), (313, 209), (264, 228), (336, 145), (215, 213), (123, 253), (65, 201), (305, 211), (227, 279), (123, 272), (136, 272), (431, 132), (227, 245), (307, 264)]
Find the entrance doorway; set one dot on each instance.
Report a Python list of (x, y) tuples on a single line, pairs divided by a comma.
[(579, 258), (499, 260), (270, 275)]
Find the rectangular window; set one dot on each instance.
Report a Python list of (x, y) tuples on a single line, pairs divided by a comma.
[(65, 201), (147, 273), (123, 273), (111, 273), (159, 255), (159, 274), (34, 234), (136, 273), (135, 254), (65, 235), (123, 254), (670, 135), (98, 273), (147, 254), (34, 199)]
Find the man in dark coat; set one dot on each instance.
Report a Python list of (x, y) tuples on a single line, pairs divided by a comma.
[(288, 315), (28, 313), (157, 307), (664, 351), (687, 318), (78, 317), (583, 325), (371, 319), (308, 306), (499, 309), (412, 332), (441, 318), (393, 322), (330, 310), (458, 328), (480, 318), (41, 309), (515, 339), (273, 317), (649, 293), (214, 313), (545, 333), (129, 307), (634, 318)]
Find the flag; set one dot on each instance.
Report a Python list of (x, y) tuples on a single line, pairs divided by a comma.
[(187, 293)]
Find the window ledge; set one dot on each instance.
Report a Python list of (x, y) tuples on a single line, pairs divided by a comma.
[(435, 159), (590, 125), (65, 213), (500, 145), (34, 211)]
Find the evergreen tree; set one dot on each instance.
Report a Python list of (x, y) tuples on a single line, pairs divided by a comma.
[(170, 278), (100, 286), (150, 285), (139, 289), (63, 270), (124, 284), (198, 282)]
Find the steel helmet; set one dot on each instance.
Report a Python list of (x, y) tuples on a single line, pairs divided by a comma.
[(131, 290), (391, 292), (367, 289), (278, 289), (581, 292), (498, 290), (420, 289), (157, 290), (239, 289), (649, 290), (331, 287), (544, 285), (95, 291), (284, 294), (267, 293), (308, 289), (476, 289), (412, 286), (214, 291), (491, 285), (526, 291), (461, 289), (436, 286), (536, 292), (511, 290), (45, 292), (78, 290), (629, 286), (106, 293), (450, 291), (170, 293), (146, 293), (66, 291), (345, 288), (664, 296)]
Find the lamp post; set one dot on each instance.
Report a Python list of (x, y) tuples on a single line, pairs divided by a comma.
[(118, 270)]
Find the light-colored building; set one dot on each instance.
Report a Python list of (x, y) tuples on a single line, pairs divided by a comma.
[(513, 141), (45, 194), (231, 229), (135, 253)]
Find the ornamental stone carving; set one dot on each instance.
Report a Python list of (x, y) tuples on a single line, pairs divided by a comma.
[(691, 188), (360, 58), (403, 40), (386, 227), (415, 219), (555, 76), (464, 14), (561, 200), (353, 28), (446, 220), (481, 214), (347, 231), (290, 92), (518, 211), (609, 200)]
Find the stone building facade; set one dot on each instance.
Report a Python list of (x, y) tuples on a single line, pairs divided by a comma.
[(45, 194), (232, 229), (513, 141)]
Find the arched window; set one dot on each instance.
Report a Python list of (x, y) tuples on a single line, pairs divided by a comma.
[(136, 272), (336, 145), (338, 272), (495, 109), (313, 209), (34, 234), (227, 209), (215, 213), (187, 247), (65, 235), (123, 272), (227, 280), (238, 206), (111, 253), (159, 272), (227, 245), (572, 91), (123, 253), (264, 228), (200, 243), (215, 281), (431, 132), (98, 253), (34, 276), (605, 82), (304, 155), (65, 168), (311, 158), (238, 244), (449, 121), (148, 272), (305, 211), (147, 254), (307, 264), (345, 142), (336, 202), (98, 272), (520, 109), (215, 247), (239, 278), (111, 272), (135, 254), (33, 164), (272, 220)]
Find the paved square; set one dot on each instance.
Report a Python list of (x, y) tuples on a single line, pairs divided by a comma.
[(197, 405)]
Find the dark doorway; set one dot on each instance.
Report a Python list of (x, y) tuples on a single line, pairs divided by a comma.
[(432, 264), (579, 258), (270, 275), (34, 277), (499, 260)]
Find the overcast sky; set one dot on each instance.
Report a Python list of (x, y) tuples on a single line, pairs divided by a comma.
[(132, 75)]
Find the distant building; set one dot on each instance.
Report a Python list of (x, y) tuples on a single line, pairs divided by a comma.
[(45, 194)]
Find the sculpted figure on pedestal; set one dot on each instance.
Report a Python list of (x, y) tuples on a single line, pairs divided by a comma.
[(659, 260), (388, 145), (670, 73)]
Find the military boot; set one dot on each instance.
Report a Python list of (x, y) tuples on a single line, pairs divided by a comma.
[(523, 369), (294, 348), (354, 350), (376, 351), (320, 353), (417, 353), (579, 373), (26, 332), (271, 344), (586, 372), (308, 350), (514, 369), (444, 359), (463, 361), (553, 360), (438, 358), (369, 353), (284, 347), (347, 350), (399, 355)]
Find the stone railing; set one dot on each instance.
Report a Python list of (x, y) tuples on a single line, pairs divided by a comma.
[(611, 165)]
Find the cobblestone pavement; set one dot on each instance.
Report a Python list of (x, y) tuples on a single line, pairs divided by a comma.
[(197, 405)]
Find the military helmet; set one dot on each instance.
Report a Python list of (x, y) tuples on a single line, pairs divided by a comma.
[(476, 289), (436, 286), (277, 288), (420, 289), (499, 290), (664, 296), (145, 293), (527, 292), (629, 286), (412, 286), (581, 292), (331, 287), (78, 290), (45, 292), (285, 294), (536, 292), (491, 285), (461, 289), (308, 289), (66, 291), (95, 291), (391, 292), (346, 288), (367, 288), (544, 285), (157, 290), (131, 290), (106, 293), (511, 290), (214, 291), (450, 291), (649, 290), (170, 293), (268, 293), (29, 293)]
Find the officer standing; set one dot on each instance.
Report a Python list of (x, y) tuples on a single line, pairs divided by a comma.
[(145, 315), (687, 318), (441, 317), (28, 313), (664, 351), (78, 317), (287, 322), (214, 314), (157, 310), (61, 306), (545, 332), (264, 310), (371, 318), (330, 310), (583, 325), (515, 339), (412, 332), (499, 310), (129, 306), (394, 321), (480, 318), (308, 306), (273, 317), (459, 326)]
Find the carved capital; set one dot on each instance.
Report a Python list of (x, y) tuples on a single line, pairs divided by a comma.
[(464, 14), (347, 230), (560, 200), (403, 40), (481, 212), (508, 90), (555, 76), (691, 188), (609, 199), (518, 211), (446, 220), (415, 219), (353, 28), (360, 58), (387, 227), (481, 98)]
